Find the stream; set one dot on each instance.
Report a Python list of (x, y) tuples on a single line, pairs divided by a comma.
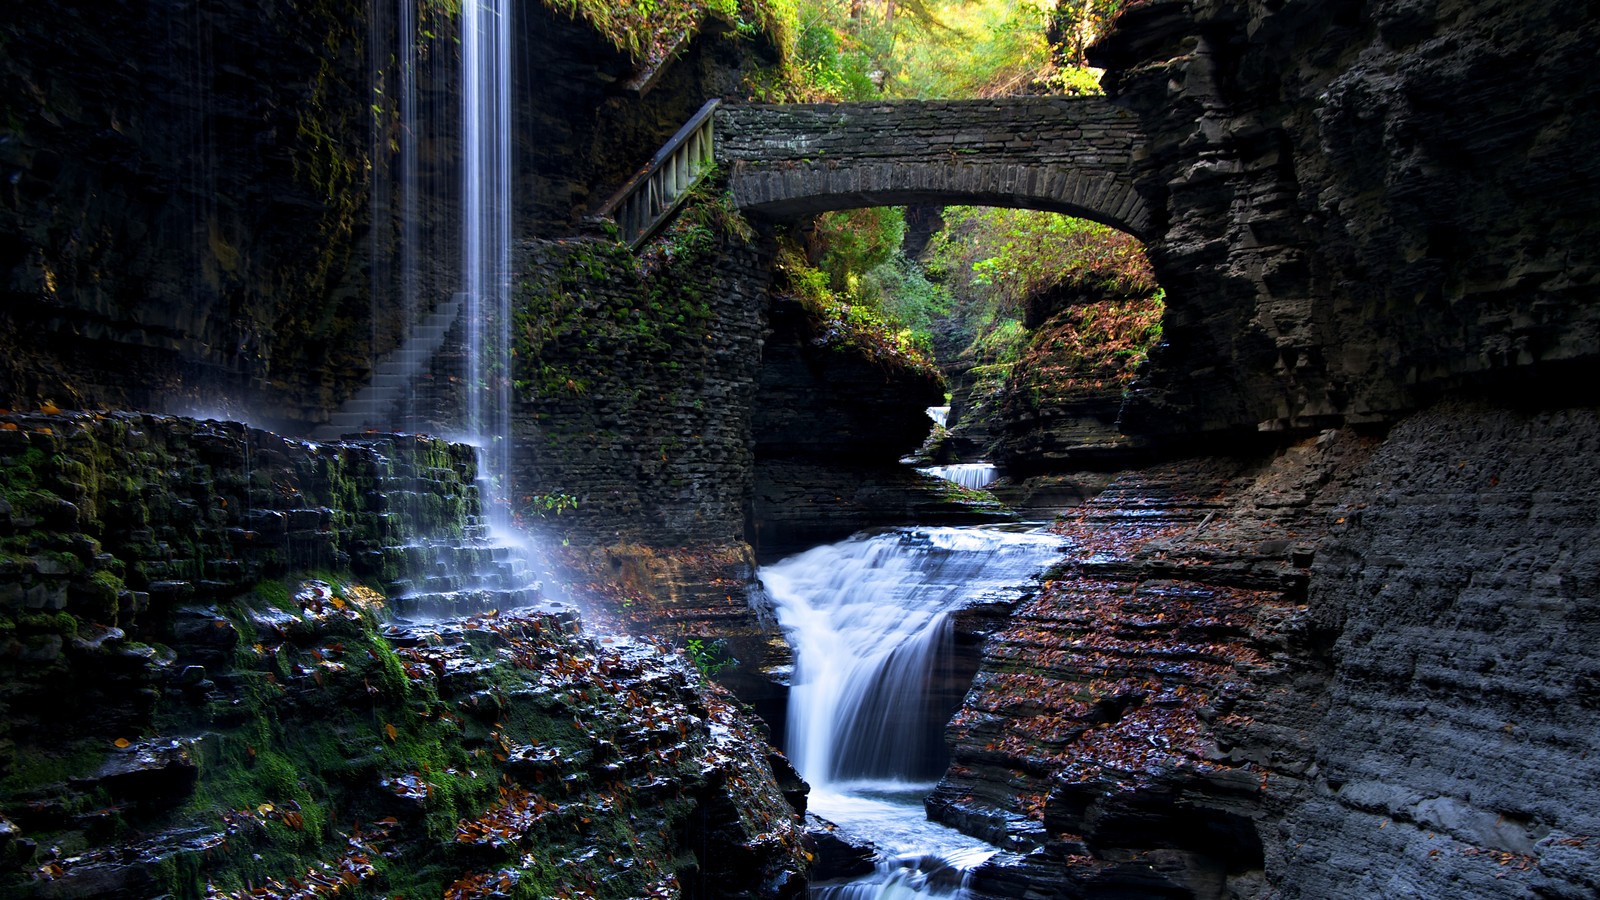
[(870, 620)]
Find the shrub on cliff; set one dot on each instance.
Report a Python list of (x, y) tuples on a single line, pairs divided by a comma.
[(845, 320), (1009, 255)]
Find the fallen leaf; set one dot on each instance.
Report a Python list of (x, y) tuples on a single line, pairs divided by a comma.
[(122, 743), (391, 731)]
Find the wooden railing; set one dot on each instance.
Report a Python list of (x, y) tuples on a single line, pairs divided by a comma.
[(650, 197)]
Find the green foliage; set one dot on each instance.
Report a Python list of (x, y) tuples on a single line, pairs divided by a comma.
[(830, 67), (1000, 344), (1075, 24), (709, 657), (864, 49), (852, 241), (990, 49), (546, 505), (1014, 254), (844, 321), (650, 30), (902, 290)]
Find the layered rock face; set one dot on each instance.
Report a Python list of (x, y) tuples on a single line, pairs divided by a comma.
[(831, 423), (1455, 740), (1310, 672), (1363, 204), (1361, 669), (1091, 740), (634, 384), (182, 205)]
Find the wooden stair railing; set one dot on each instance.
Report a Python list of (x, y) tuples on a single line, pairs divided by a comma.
[(651, 196)]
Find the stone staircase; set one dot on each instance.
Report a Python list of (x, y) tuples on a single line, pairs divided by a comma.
[(450, 579), (380, 403), (456, 565)]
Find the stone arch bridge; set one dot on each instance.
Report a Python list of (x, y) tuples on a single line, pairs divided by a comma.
[(1073, 155), (1064, 154)]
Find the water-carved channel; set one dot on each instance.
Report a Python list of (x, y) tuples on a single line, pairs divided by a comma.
[(876, 676)]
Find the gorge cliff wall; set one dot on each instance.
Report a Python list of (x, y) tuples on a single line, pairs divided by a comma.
[(227, 201), (1362, 205), (1308, 667)]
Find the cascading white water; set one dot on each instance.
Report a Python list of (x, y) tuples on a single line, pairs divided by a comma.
[(973, 476), (486, 238), (869, 620)]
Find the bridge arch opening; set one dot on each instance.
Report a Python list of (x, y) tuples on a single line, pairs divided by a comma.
[(1038, 320)]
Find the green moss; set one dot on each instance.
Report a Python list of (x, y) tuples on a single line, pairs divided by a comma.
[(600, 305), (274, 594), (389, 673), (31, 771)]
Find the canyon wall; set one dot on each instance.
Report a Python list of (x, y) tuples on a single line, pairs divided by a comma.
[(674, 420), (227, 199), (181, 202), (1362, 205), (1352, 661), (831, 423)]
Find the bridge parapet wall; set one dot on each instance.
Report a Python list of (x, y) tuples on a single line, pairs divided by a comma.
[(1069, 154)]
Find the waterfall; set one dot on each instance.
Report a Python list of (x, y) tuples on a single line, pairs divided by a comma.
[(410, 245), (486, 238), (870, 623), (974, 476)]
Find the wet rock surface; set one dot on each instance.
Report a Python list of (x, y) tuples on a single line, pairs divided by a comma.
[(212, 721), (189, 210), (1360, 668), (634, 385), (1087, 744), (489, 753)]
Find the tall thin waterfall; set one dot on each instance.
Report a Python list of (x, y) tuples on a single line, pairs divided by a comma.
[(869, 620), (410, 246), (486, 236)]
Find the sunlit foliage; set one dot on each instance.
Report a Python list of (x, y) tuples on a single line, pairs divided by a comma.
[(649, 30), (845, 320), (865, 49), (1018, 253), (851, 242)]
